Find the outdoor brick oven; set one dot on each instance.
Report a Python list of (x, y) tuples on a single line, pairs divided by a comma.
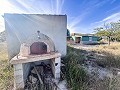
[(34, 39)]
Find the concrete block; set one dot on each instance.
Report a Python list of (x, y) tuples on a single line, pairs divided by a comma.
[(57, 70), (57, 75), (57, 60), (18, 80), (18, 72), (18, 67), (18, 76), (57, 65), (19, 86)]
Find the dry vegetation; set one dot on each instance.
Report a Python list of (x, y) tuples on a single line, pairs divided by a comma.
[(6, 71), (104, 56), (74, 74), (108, 55), (113, 48)]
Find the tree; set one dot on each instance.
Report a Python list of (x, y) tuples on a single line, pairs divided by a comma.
[(102, 33), (115, 30), (98, 29), (111, 30)]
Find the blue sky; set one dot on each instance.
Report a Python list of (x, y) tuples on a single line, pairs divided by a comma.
[(83, 15)]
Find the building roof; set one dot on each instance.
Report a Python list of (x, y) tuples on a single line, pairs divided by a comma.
[(79, 34), (34, 14)]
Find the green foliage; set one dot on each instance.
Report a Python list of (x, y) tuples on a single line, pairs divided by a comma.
[(111, 30), (102, 33), (117, 35), (75, 75)]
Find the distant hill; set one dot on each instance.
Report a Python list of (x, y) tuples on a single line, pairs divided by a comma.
[(2, 36)]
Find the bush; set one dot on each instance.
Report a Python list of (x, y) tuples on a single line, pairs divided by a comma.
[(109, 60), (74, 74)]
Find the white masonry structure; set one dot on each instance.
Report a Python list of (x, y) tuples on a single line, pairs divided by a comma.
[(35, 38)]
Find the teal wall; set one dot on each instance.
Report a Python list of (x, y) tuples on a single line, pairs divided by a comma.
[(94, 38), (86, 38)]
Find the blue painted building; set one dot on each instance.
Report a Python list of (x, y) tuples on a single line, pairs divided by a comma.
[(85, 38)]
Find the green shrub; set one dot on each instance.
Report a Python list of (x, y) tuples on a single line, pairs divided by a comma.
[(74, 74)]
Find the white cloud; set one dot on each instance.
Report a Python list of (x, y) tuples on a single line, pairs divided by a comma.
[(87, 9), (30, 6), (6, 7), (80, 29), (112, 18)]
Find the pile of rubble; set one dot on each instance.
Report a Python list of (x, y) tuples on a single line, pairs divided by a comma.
[(40, 78)]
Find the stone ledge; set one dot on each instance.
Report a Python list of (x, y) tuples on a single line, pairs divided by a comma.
[(33, 58)]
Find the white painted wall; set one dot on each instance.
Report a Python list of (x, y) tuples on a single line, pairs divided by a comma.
[(21, 26)]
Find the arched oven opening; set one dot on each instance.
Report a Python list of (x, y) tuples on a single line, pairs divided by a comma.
[(38, 48)]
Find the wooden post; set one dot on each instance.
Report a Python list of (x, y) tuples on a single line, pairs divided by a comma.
[(41, 82)]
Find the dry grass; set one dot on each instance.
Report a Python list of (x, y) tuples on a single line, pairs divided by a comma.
[(73, 73), (110, 55), (107, 56), (3, 51), (113, 48), (6, 71)]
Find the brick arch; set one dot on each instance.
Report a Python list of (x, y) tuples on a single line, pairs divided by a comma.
[(25, 47), (38, 48)]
